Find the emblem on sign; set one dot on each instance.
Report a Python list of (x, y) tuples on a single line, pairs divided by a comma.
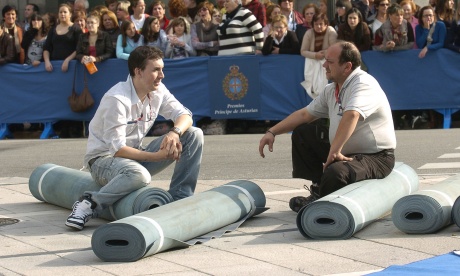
[(235, 84)]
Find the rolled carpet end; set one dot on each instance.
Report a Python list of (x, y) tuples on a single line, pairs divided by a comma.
[(456, 212)]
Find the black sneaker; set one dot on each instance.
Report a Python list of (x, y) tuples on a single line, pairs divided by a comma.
[(296, 203), (82, 211)]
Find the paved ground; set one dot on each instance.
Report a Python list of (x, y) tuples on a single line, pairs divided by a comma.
[(269, 244)]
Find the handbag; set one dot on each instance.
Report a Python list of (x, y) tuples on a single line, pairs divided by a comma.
[(82, 102)]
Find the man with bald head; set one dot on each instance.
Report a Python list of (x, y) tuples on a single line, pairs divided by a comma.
[(360, 140)]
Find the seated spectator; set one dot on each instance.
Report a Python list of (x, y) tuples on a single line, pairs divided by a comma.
[(430, 33), (341, 9), (153, 35), (61, 42), (34, 40), (180, 42), (216, 17), (308, 12), (111, 5), (6, 47), (314, 45), (355, 30), (453, 35), (79, 19), (271, 10), (10, 26), (138, 16), (123, 11), (396, 33), (95, 45), (239, 33), (128, 40), (110, 26), (280, 39), (379, 17), (204, 32), (157, 9), (294, 17), (409, 11), (257, 9)]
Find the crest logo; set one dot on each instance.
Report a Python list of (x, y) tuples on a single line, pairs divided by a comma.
[(235, 84)]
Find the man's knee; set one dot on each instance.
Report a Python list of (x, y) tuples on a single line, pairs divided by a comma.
[(137, 175), (195, 134)]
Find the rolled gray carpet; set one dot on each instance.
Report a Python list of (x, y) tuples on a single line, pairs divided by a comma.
[(456, 212), (179, 224), (350, 209), (427, 211), (63, 186)]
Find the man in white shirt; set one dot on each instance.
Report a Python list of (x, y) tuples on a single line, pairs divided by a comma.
[(360, 141), (115, 156)]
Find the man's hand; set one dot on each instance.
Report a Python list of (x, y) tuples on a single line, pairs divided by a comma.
[(267, 139), (333, 157), (171, 146)]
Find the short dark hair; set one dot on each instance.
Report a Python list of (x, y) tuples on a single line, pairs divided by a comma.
[(139, 57), (34, 7), (9, 8), (349, 53)]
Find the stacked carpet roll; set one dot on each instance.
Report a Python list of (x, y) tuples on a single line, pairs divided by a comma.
[(429, 210), (63, 186), (179, 224), (350, 209), (456, 212)]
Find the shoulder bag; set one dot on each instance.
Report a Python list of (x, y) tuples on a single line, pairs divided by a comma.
[(84, 101)]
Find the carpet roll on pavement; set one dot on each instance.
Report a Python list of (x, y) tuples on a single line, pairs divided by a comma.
[(348, 210), (456, 212), (179, 224), (427, 211), (63, 186)]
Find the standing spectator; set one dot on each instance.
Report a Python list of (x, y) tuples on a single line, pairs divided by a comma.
[(110, 25), (95, 45), (112, 5), (34, 41), (430, 33), (138, 17), (178, 8), (294, 17), (341, 7), (49, 20), (79, 19), (379, 17), (123, 11), (409, 11), (396, 33), (9, 26), (220, 6), (192, 9), (180, 42), (355, 30), (453, 35), (128, 40), (216, 17), (239, 33), (257, 9), (445, 12), (314, 45), (204, 32), (61, 42), (6, 47), (280, 39), (323, 6), (308, 12), (115, 156), (153, 35), (28, 11), (81, 5), (272, 10), (157, 9)]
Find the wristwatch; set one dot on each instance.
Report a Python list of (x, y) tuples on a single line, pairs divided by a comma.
[(176, 130)]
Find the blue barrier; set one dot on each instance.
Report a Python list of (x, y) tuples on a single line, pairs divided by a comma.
[(31, 94)]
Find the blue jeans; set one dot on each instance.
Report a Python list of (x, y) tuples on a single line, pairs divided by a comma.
[(120, 176)]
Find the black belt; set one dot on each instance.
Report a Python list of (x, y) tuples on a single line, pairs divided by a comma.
[(90, 162)]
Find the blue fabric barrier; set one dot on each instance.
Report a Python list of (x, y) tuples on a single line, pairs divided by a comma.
[(31, 94)]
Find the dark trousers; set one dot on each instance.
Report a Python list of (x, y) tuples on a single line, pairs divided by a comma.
[(310, 148)]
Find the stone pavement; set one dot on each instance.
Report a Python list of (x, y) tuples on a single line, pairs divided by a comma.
[(268, 244)]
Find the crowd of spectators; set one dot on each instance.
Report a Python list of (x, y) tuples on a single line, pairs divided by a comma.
[(226, 27)]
